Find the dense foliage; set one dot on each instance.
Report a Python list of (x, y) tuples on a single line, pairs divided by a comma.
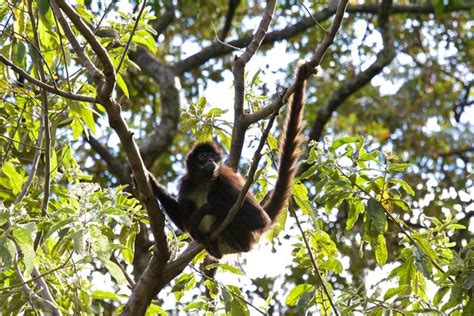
[(380, 219)]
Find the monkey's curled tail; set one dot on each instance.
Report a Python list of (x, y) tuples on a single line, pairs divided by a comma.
[(289, 151)]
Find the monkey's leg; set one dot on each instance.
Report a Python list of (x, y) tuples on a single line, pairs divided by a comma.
[(201, 225)]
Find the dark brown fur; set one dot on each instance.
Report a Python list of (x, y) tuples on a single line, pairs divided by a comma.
[(209, 189)]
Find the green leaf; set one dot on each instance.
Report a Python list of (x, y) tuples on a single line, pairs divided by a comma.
[(404, 185), (278, 226), (224, 138), (425, 246), (401, 204), (76, 127), (154, 310), (376, 213), (342, 141), (272, 142), (54, 163), (308, 173), (423, 263), (143, 38), (7, 251), (122, 85), (401, 290), (456, 226), (105, 295), (4, 216), (380, 248), (16, 179), (225, 267), (46, 15), (238, 308), (25, 241), (297, 292), (356, 208), (438, 297), (212, 288), (114, 271), (469, 308), (332, 264), (398, 167), (184, 283), (19, 55), (200, 305)]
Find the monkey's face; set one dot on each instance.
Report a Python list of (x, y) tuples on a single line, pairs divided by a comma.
[(204, 163), (208, 162)]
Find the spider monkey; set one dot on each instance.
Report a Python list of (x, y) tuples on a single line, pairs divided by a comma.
[(209, 189)]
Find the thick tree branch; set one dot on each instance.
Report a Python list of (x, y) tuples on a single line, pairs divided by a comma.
[(217, 49), (310, 65), (229, 17), (416, 8), (116, 121), (105, 89), (238, 69), (153, 280), (81, 54), (384, 57), (165, 19), (164, 76), (42, 299)]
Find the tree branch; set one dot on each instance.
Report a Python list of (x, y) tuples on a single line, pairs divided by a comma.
[(45, 86), (105, 89), (250, 179), (116, 121), (217, 49), (384, 57), (165, 19), (81, 54), (233, 4), (238, 69), (164, 76)]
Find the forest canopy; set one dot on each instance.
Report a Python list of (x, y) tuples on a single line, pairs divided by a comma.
[(379, 221)]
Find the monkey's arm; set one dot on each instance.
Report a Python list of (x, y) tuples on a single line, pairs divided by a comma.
[(178, 210)]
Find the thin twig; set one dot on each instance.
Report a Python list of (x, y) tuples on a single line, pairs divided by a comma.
[(61, 43), (313, 63), (130, 281), (22, 142), (222, 42), (44, 85), (312, 16), (47, 131), (78, 49), (396, 221), (131, 36), (47, 304), (313, 261), (105, 88), (107, 10), (34, 165), (250, 178)]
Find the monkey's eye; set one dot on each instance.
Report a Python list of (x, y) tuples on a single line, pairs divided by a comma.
[(202, 156)]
